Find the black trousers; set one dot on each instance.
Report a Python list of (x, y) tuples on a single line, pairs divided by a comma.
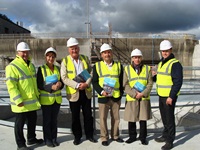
[(168, 119), (132, 130), (85, 104), (30, 118), (50, 115)]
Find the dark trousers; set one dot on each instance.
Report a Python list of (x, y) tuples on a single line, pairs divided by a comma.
[(133, 132), (85, 104), (168, 119), (50, 115), (30, 118)]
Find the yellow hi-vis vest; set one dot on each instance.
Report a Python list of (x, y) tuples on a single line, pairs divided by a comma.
[(164, 79), (22, 86), (103, 71), (133, 77), (71, 71), (47, 98)]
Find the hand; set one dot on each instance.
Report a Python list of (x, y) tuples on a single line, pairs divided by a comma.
[(169, 101), (139, 95), (82, 86), (20, 104), (105, 94), (58, 84), (54, 87)]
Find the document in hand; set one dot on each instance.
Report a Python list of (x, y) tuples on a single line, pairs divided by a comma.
[(51, 79), (139, 86), (109, 85), (82, 77)]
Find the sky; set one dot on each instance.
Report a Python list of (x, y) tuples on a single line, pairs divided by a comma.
[(125, 16)]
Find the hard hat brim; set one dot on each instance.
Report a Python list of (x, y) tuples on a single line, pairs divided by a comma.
[(23, 50)]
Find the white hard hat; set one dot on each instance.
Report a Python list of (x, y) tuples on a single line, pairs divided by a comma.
[(50, 49), (165, 45), (22, 46), (136, 52), (105, 47), (71, 42)]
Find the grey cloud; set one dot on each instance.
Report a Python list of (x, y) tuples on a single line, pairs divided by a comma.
[(125, 16)]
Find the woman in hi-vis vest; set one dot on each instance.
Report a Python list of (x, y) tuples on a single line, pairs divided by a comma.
[(50, 85), (137, 82)]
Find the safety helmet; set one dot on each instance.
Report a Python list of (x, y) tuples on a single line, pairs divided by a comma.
[(50, 49), (22, 46), (105, 47), (71, 42), (136, 52), (165, 45)]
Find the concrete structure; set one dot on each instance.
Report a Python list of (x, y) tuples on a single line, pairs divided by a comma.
[(183, 47), (9, 27)]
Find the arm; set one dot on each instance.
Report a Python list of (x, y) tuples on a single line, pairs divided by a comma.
[(121, 81), (177, 79), (127, 89), (95, 81), (149, 85), (12, 85)]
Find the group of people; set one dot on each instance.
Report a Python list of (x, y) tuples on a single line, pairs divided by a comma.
[(30, 89)]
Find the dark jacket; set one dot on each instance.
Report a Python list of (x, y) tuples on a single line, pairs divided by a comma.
[(177, 76), (99, 89)]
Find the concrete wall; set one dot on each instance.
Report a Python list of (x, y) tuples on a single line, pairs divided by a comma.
[(182, 48)]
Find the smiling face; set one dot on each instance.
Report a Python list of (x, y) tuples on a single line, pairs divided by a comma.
[(23, 54), (166, 53), (107, 56), (136, 60), (74, 51), (50, 58)]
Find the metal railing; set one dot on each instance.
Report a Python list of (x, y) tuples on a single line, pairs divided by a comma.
[(98, 35)]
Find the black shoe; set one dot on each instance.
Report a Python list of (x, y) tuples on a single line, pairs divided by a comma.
[(35, 141), (160, 139), (167, 146), (49, 143), (105, 143), (55, 143), (144, 142), (24, 148), (130, 140), (119, 140), (77, 141), (92, 140)]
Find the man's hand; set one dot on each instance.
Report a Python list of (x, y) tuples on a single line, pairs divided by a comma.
[(20, 104), (139, 95), (82, 86), (169, 101)]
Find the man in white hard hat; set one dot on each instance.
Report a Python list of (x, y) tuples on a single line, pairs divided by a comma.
[(169, 80), (137, 82), (108, 101), (22, 88), (79, 93)]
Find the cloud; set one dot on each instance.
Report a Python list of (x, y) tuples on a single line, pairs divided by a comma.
[(151, 16)]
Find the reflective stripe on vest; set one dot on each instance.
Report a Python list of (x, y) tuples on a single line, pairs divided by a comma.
[(133, 77), (71, 71), (47, 98), (103, 71), (164, 79)]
